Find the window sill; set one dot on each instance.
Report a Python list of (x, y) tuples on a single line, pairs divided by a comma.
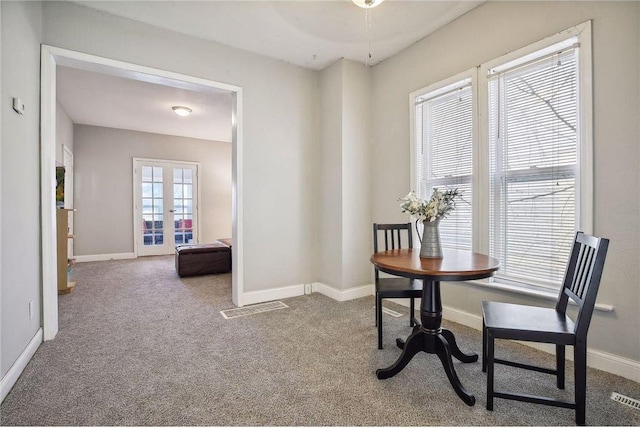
[(532, 292)]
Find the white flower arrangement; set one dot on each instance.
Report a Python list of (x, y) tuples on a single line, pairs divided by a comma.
[(438, 206)]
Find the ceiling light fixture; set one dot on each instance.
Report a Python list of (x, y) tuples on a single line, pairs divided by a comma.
[(367, 4), (181, 110)]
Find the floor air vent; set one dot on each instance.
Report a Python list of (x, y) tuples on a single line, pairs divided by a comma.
[(252, 310), (625, 400)]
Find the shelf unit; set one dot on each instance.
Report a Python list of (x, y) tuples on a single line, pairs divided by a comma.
[(64, 263)]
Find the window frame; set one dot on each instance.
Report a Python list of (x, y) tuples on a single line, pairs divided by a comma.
[(435, 90), (584, 196), (480, 154)]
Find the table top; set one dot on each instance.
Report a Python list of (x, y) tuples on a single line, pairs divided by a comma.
[(455, 265)]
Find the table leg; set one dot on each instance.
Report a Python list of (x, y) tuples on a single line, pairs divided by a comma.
[(400, 342), (431, 338), (444, 353), (413, 345), (455, 350)]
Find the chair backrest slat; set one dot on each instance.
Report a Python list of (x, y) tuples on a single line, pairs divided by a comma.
[(580, 271), (585, 267), (390, 238), (396, 239), (582, 278), (392, 235)]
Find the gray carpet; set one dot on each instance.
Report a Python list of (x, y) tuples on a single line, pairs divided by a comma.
[(140, 346)]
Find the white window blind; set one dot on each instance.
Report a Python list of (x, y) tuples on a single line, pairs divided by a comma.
[(533, 165), (444, 137)]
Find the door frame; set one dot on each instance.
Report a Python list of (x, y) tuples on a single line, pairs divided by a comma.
[(51, 57), (67, 162), (137, 196)]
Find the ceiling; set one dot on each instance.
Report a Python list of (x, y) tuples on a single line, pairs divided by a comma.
[(309, 33), (97, 99)]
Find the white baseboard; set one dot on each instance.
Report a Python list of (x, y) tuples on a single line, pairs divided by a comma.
[(462, 317), (253, 297), (615, 364), (16, 369), (343, 295), (104, 257)]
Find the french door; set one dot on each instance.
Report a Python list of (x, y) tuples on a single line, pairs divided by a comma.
[(166, 201)]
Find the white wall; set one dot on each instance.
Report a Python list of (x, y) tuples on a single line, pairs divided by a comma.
[(64, 133), (329, 238), (104, 184), (356, 175), (488, 32), (344, 238), (280, 107), (20, 179)]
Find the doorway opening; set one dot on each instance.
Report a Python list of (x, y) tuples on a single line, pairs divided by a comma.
[(51, 57)]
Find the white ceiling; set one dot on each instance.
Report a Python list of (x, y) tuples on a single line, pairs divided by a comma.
[(308, 33), (96, 99)]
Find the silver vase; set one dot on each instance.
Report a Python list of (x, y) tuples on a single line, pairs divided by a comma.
[(430, 247)]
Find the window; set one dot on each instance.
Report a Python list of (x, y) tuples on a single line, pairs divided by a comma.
[(533, 165), (526, 175), (444, 136)]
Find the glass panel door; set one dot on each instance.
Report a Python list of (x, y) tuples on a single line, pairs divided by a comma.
[(152, 205), (166, 208), (183, 205)]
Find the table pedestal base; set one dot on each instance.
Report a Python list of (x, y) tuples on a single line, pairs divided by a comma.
[(433, 340)]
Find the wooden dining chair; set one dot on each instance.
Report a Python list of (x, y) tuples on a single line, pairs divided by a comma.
[(394, 288), (550, 325)]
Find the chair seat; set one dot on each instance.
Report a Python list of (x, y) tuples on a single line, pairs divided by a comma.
[(511, 321), (399, 287)]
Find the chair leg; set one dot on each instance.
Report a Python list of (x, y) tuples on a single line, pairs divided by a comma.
[(412, 308), (580, 374), (490, 366), (379, 311), (560, 359), (484, 347), (375, 308)]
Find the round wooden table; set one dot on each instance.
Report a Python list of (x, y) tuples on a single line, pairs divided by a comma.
[(428, 335)]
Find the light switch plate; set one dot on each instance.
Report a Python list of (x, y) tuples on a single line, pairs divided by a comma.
[(18, 106)]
